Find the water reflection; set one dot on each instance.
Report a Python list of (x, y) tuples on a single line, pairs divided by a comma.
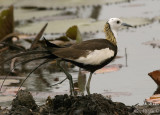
[(126, 57), (41, 78)]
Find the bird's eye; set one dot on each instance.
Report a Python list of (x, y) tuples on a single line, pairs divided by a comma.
[(118, 22)]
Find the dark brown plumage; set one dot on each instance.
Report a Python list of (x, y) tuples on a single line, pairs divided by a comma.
[(82, 50)]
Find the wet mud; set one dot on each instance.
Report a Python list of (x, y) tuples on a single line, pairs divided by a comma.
[(94, 104)]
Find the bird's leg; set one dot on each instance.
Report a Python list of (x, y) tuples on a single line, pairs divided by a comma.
[(69, 77), (88, 83)]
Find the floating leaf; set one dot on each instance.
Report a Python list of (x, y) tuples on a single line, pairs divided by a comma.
[(154, 43), (109, 68), (74, 33), (84, 25), (58, 26), (137, 21), (56, 3), (6, 22)]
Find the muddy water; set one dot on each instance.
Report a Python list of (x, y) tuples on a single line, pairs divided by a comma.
[(131, 84)]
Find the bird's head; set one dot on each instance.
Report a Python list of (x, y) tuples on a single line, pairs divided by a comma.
[(116, 23)]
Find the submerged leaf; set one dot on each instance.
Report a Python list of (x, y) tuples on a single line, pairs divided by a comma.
[(6, 22)]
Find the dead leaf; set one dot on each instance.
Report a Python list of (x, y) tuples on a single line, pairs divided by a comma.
[(155, 75), (39, 35), (154, 99)]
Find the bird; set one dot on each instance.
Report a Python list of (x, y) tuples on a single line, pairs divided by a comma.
[(90, 55), (94, 54)]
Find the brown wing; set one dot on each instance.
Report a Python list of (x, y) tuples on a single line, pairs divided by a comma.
[(82, 49), (95, 44), (69, 53)]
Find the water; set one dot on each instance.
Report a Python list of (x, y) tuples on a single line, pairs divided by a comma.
[(141, 60)]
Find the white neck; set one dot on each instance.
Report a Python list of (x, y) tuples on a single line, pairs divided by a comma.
[(115, 33)]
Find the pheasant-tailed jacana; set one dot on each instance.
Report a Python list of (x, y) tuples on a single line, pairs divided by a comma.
[(93, 54), (90, 55)]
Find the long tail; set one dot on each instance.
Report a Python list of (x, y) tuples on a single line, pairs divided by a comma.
[(49, 56), (23, 62), (49, 46), (26, 53)]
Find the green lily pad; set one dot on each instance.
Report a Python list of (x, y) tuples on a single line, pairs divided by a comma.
[(74, 33), (84, 25)]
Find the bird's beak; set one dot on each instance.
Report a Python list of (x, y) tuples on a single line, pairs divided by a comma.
[(124, 24)]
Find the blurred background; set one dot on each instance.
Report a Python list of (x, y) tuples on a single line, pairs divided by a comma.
[(125, 79)]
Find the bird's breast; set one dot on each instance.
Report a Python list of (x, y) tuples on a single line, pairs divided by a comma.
[(96, 57)]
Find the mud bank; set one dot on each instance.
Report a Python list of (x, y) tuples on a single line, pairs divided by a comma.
[(94, 104)]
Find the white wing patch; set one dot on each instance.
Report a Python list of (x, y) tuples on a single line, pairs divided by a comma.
[(96, 57)]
